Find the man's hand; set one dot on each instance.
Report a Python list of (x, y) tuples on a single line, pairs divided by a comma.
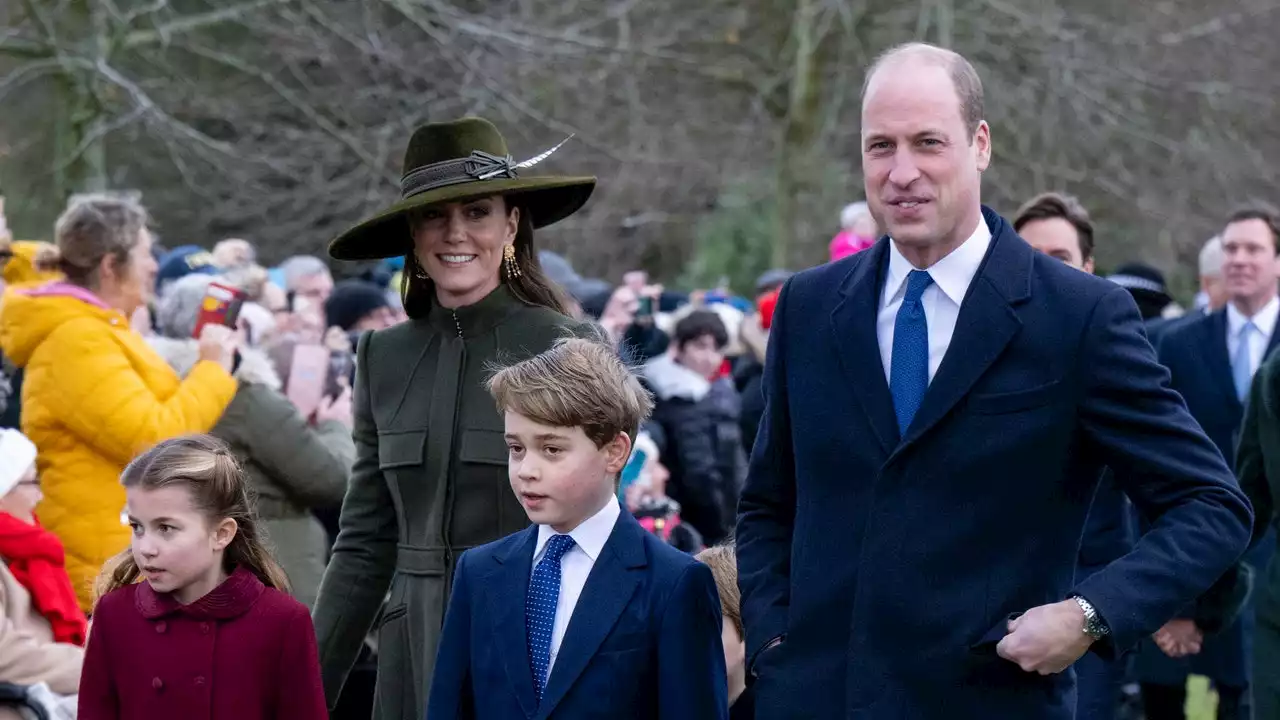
[(1179, 638), (1046, 639)]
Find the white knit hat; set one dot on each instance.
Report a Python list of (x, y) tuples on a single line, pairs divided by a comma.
[(17, 455)]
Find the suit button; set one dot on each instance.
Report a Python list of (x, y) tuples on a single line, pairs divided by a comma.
[(161, 626), (204, 628), (199, 679), (157, 684)]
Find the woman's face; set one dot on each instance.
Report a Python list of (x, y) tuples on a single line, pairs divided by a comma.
[(128, 285), (459, 245)]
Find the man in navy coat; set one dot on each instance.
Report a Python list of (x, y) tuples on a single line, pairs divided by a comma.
[(1059, 226), (939, 409), (1211, 360)]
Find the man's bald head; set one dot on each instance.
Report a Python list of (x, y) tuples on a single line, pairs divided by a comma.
[(964, 77)]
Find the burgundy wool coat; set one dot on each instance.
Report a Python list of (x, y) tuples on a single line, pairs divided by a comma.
[(242, 652)]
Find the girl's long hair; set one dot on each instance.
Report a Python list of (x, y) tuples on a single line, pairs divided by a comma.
[(206, 467), (531, 286)]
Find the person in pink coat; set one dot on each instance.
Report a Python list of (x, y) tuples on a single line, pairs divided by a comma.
[(858, 231), (212, 633)]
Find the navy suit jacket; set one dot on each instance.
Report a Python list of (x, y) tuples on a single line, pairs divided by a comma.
[(1195, 351), (643, 642), (890, 565)]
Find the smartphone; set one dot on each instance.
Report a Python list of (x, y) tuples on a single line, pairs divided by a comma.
[(645, 308), (308, 375), (339, 375), (221, 306)]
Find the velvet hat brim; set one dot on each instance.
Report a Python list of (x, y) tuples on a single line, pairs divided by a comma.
[(547, 199)]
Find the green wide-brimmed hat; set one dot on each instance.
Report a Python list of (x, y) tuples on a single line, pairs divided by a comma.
[(455, 162)]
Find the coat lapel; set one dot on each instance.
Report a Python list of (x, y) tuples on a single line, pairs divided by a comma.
[(508, 585), (853, 325), (613, 580), (985, 325)]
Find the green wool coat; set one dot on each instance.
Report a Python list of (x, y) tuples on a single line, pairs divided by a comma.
[(1258, 468), (430, 481), (292, 466)]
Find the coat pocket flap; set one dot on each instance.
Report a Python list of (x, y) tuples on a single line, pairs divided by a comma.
[(400, 449), (483, 446), (1018, 400)]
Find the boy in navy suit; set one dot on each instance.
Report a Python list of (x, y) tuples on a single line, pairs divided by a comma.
[(584, 614)]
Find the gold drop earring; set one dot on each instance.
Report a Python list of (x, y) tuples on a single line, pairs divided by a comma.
[(509, 259)]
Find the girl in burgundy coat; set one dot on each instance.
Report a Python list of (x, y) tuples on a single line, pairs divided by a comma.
[(211, 634)]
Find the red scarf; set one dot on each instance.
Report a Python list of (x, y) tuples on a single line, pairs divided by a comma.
[(37, 560)]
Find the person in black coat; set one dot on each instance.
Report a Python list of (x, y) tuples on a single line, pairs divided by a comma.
[(698, 408)]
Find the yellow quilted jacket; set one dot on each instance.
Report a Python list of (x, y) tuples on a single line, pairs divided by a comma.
[(95, 396), (22, 267)]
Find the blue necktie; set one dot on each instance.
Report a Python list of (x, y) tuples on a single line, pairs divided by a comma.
[(1242, 363), (540, 609), (909, 367)]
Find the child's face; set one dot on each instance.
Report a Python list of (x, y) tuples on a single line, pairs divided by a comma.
[(560, 476), (701, 356), (21, 501), (174, 545)]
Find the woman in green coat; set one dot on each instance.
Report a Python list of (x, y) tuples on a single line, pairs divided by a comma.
[(430, 477), (1258, 468)]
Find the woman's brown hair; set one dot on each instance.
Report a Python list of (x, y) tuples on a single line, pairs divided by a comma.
[(206, 467), (95, 227), (531, 286)]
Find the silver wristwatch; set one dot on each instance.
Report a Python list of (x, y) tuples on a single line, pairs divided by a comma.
[(1094, 626)]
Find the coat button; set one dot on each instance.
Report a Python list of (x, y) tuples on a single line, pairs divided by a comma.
[(161, 626), (204, 628), (157, 684)]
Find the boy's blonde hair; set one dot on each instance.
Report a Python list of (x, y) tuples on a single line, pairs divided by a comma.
[(723, 561), (577, 383)]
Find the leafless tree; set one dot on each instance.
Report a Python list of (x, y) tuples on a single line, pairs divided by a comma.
[(284, 120)]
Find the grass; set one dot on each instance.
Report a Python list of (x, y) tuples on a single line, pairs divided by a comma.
[(1202, 702)]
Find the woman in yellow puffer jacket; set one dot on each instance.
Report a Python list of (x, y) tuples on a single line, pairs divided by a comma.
[(95, 394)]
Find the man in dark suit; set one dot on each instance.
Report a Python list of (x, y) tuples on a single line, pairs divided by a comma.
[(939, 409), (1059, 226), (1211, 360)]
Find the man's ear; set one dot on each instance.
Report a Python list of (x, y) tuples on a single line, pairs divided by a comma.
[(618, 451), (224, 533)]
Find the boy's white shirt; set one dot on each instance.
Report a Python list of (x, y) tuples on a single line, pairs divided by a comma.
[(588, 540)]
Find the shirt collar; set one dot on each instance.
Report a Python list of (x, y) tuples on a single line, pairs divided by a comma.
[(590, 535), (952, 274), (1264, 319)]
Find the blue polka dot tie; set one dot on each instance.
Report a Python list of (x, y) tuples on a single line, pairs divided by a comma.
[(909, 367), (540, 609)]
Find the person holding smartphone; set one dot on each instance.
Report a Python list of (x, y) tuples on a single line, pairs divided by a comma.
[(96, 395), (295, 461)]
